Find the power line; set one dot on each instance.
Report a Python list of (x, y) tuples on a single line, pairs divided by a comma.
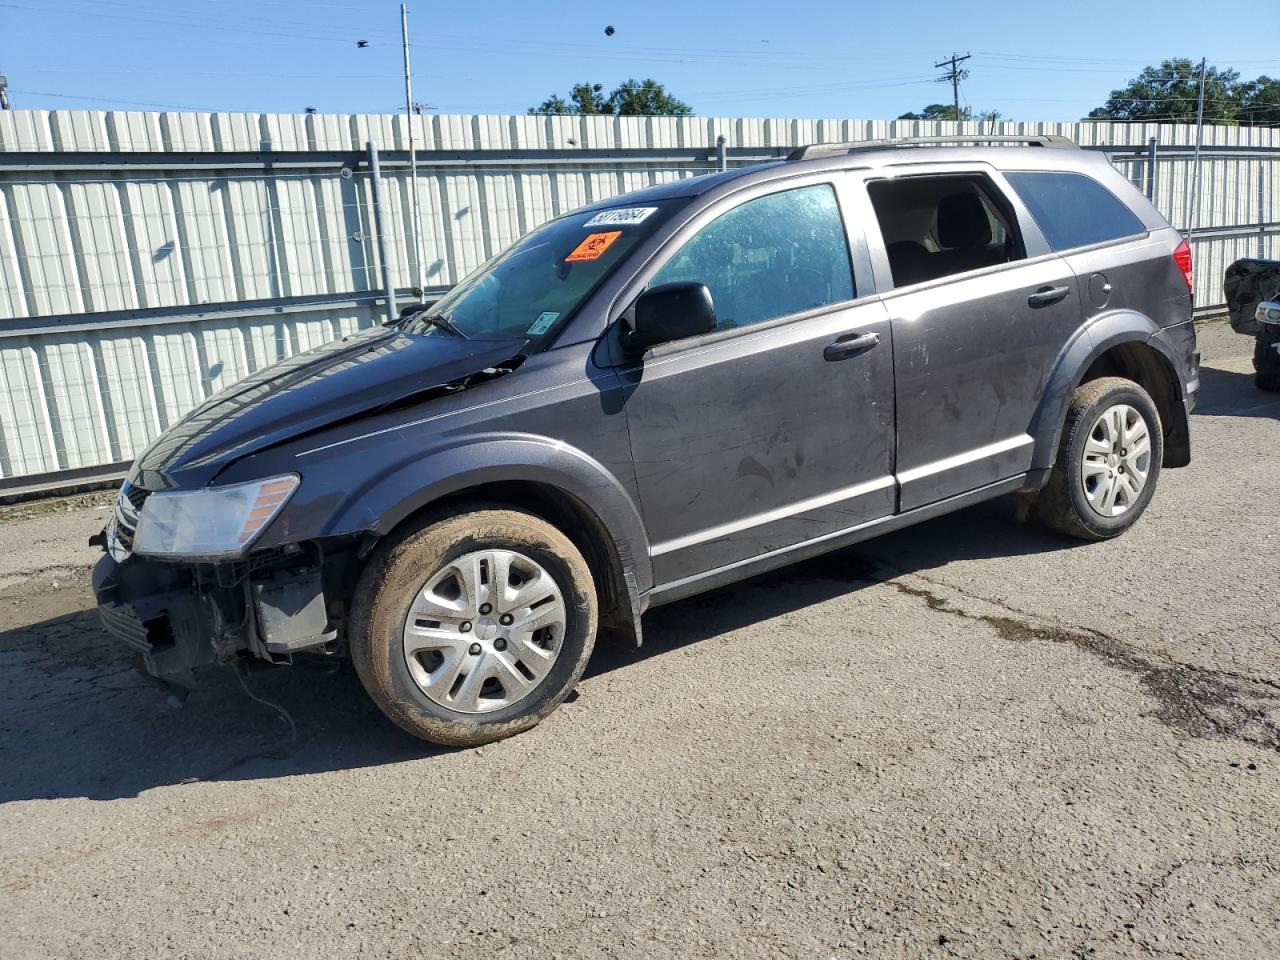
[(954, 74)]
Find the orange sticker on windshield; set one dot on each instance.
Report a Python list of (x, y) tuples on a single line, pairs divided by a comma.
[(593, 247)]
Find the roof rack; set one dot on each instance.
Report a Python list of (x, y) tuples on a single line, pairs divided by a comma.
[(837, 149)]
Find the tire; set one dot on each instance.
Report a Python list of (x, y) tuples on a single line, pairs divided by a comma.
[(1065, 503), (425, 691), (1266, 359)]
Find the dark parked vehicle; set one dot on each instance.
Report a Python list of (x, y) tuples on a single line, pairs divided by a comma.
[(1266, 348), (656, 395)]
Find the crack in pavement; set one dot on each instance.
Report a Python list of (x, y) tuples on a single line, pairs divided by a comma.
[(1196, 700)]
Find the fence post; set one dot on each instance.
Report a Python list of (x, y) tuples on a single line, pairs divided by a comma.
[(1151, 169), (722, 159), (1262, 208), (379, 226)]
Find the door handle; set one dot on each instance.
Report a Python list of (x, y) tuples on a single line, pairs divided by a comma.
[(1047, 295), (850, 345)]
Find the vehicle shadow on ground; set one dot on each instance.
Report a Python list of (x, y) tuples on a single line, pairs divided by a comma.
[(1227, 393), (77, 721)]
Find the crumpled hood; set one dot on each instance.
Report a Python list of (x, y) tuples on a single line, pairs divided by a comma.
[(347, 378)]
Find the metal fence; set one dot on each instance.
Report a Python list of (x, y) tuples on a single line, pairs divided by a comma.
[(148, 260)]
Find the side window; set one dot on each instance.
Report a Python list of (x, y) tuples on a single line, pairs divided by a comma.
[(937, 226), (768, 258), (1073, 210)]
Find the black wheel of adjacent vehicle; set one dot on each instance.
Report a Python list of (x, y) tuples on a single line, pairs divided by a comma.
[(475, 627), (1266, 358), (1108, 461)]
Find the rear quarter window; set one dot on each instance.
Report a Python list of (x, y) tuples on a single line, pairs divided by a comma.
[(1073, 210)]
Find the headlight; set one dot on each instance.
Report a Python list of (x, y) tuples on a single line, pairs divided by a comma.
[(1268, 312), (213, 523)]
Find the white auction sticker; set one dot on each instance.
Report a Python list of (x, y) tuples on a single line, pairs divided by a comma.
[(611, 218)]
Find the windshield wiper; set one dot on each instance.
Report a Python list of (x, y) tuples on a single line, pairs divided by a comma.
[(444, 321)]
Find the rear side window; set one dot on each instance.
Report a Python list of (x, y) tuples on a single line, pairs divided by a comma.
[(770, 257), (1073, 210), (939, 226)]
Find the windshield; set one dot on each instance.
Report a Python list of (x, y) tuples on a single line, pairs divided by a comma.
[(529, 290)]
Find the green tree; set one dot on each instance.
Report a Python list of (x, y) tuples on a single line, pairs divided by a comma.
[(939, 111), (646, 98), (1259, 101), (631, 98), (584, 98), (1169, 93)]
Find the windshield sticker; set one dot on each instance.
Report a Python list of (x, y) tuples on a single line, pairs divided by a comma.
[(542, 324), (593, 247), (625, 215)]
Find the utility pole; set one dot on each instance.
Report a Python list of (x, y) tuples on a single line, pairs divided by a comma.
[(1193, 198), (410, 119), (955, 75)]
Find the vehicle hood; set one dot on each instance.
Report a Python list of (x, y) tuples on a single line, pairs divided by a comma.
[(356, 376)]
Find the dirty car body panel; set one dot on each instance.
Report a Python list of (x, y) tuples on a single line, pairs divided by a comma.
[(690, 464)]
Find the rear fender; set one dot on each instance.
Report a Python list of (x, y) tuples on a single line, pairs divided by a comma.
[(1091, 342)]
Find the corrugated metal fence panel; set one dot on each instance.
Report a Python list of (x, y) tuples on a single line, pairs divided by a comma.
[(74, 400), (81, 242)]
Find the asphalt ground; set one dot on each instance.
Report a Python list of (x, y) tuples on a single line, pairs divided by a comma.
[(968, 739)]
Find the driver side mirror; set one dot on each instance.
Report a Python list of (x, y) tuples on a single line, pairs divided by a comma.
[(672, 311)]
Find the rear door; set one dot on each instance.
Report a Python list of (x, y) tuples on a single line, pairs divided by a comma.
[(777, 428), (1121, 265), (979, 312)]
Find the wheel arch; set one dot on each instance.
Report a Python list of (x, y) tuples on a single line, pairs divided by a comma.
[(615, 585), (548, 479), (1121, 344)]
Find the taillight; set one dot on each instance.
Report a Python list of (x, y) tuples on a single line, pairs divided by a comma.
[(1182, 257)]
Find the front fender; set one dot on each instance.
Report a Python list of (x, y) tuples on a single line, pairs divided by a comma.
[(380, 500), (1092, 341)]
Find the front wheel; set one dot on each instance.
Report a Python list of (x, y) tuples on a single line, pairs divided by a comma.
[(1108, 461), (473, 628)]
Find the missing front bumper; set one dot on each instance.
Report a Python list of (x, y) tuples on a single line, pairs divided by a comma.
[(179, 618)]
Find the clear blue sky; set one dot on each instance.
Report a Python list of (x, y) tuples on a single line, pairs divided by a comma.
[(808, 58)]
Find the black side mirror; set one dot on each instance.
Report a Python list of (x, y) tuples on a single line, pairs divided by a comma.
[(672, 311)]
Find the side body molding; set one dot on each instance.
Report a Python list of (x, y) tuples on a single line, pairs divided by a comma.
[(1095, 338)]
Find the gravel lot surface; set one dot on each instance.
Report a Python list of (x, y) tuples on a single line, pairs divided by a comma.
[(969, 739)]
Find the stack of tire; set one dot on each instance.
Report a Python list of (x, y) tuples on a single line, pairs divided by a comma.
[(1252, 288)]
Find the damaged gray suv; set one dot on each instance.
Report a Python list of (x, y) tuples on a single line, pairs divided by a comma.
[(654, 396)]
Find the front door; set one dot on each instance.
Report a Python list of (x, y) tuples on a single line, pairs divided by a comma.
[(777, 428)]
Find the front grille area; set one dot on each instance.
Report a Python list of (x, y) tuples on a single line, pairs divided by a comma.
[(135, 495), (124, 521)]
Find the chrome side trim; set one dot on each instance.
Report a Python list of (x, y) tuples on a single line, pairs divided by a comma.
[(769, 516), (961, 459)]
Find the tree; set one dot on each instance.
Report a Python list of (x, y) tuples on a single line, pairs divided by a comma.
[(631, 98), (646, 98), (939, 111), (1169, 93), (1259, 101)]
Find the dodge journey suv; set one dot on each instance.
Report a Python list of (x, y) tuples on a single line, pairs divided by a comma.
[(656, 395)]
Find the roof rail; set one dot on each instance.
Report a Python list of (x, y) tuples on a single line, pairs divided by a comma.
[(836, 149)]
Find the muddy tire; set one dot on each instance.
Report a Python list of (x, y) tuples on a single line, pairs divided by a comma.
[(1108, 461), (474, 627)]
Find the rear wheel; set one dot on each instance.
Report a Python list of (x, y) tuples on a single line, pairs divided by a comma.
[(473, 628), (1108, 461)]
